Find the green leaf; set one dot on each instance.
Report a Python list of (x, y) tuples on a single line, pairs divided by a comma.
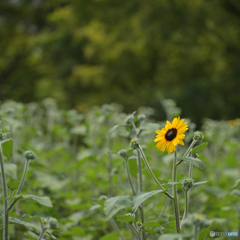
[(199, 148), (28, 225), (115, 204), (13, 184), (30, 217), (140, 198), (198, 183), (110, 236), (195, 161), (7, 146), (45, 201), (170, 237), (126, 218), (204, 232), (151, 224), (10, 170)]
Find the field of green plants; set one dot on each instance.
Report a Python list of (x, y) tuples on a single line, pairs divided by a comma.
[(99, 175)]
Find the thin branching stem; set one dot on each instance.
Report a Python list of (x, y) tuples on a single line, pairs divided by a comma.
[(175, 197), (42, 233), (152, 174), (136, 231), (129, 178), (114, 225), (5, 198), (139, 163)]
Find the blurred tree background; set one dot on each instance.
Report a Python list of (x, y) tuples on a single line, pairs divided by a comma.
[(131, 52)]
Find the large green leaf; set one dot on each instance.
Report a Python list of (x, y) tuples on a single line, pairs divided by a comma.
[(115, 204), (199, 148), (140, 198), (195, 161), (7, 146), (45, 201)]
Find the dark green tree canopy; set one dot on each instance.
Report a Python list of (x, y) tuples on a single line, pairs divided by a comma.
[(99, 51)]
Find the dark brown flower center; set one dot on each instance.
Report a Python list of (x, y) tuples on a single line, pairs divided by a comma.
[(171, 134)]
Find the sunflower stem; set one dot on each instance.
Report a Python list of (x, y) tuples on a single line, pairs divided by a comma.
[(129, 178), (5, 198), (175, 197), (151, 172), (139, 163), (114, 225)]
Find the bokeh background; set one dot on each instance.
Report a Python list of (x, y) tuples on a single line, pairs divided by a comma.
[(85, 53)]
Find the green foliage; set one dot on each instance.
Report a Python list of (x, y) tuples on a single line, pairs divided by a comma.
[(78, 168), (7, 146)]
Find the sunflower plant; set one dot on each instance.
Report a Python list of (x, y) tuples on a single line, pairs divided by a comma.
[(168, 138)]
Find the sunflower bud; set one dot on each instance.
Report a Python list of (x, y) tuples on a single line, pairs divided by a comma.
[(141, 117), (53, 222), (134, 144), (187, 183), (198, 136), (128, 120), (123, 154), (30, 155)]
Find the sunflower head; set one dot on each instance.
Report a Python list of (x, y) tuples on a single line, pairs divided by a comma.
[(172, 135)]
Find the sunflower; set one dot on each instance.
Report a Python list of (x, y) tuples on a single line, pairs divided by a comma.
[(172, 135)]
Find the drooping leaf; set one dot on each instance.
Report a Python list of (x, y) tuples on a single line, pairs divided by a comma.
[(7, 146), (195, 161), (13, 184), (115, 204), (151, 224), (140, 198), (45, 201), (199, 148)]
